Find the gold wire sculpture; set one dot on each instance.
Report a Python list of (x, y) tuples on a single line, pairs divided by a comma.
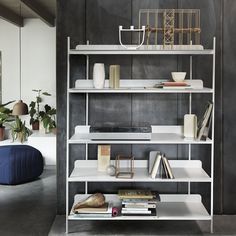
[(171, 26)]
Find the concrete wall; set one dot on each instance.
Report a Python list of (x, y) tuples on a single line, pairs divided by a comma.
[(38, 60), (98, 22)]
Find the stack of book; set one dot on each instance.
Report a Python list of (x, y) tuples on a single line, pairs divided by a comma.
[(204, 123), (159, 166), (138, 202), (173, 85)]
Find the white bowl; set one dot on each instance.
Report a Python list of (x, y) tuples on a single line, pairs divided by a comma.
[(178, 76)]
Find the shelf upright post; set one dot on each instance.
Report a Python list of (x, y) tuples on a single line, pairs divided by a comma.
[(212, 130), (87, 113), (67, 133), (190, 110)]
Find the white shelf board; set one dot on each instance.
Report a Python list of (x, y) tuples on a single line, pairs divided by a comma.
[(143, 50), (183, 170), (139, 86), (171, 207), (156, 138), (139, 90)]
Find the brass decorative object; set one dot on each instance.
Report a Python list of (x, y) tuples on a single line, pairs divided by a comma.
[(124, 172), (171, 26), (95, 200)]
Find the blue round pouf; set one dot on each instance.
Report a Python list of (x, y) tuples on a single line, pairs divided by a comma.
[(20, 164)]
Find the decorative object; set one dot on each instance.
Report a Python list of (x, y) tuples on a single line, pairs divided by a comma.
[(132, 29), (170, 26), (95, 200), (98, 75), (35, 109), (122, 171), (111, 170), (20, 164), (20, 108), (104, 154), (114, 76), (48, 117), (178, 76), (19, 130), (4, 118), (190, 126)]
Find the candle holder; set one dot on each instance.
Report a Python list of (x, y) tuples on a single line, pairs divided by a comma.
[(122, 171)]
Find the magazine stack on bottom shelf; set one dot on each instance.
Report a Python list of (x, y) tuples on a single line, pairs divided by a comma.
[(138, 202)]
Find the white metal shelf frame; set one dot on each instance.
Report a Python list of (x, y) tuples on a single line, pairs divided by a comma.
[(96, 51)]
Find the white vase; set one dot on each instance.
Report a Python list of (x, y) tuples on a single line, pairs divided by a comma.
[(98, 75)]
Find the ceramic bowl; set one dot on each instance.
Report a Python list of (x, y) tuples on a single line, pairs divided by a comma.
[(178, 76)]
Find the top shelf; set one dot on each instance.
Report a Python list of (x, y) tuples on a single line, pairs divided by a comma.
[(143, 50)]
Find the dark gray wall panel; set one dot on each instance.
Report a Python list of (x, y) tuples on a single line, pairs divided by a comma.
[(229, 96), (103, 18)]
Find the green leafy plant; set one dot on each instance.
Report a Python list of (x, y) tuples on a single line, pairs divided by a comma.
[(35, 106), (48, 118), (19, 130), (5, 114)]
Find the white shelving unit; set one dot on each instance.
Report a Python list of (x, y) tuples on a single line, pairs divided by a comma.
[(172, 206)]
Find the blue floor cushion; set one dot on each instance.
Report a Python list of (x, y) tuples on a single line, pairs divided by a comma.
[(19, 164)]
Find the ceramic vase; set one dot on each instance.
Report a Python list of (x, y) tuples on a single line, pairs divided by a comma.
[(98, 75), (114, 76)]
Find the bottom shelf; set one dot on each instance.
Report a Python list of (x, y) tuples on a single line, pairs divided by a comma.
[(171, 207)]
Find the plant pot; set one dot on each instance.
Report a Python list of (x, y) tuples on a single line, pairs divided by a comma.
[(54, 130), (35, 125), (2, 133)]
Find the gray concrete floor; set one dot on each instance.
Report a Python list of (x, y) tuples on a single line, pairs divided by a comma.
[(29, 209), (223, 225)]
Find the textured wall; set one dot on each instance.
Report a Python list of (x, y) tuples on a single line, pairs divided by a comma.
[(97, 21)]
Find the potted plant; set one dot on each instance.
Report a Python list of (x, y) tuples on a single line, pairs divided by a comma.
[(19, 130), (35, 109), (48, 118), (4, 117)]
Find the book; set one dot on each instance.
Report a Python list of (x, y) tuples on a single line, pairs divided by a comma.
[(204, 120), (136, 194), (151, 160), (168, 168), (174, 84), (206, 130), (152, 212), (156, 166), (138, 206), (141, 201), (161, 163), (123, 211), (97, 210), (104, 153), (135, 209), (93, 215), (177, 87)]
